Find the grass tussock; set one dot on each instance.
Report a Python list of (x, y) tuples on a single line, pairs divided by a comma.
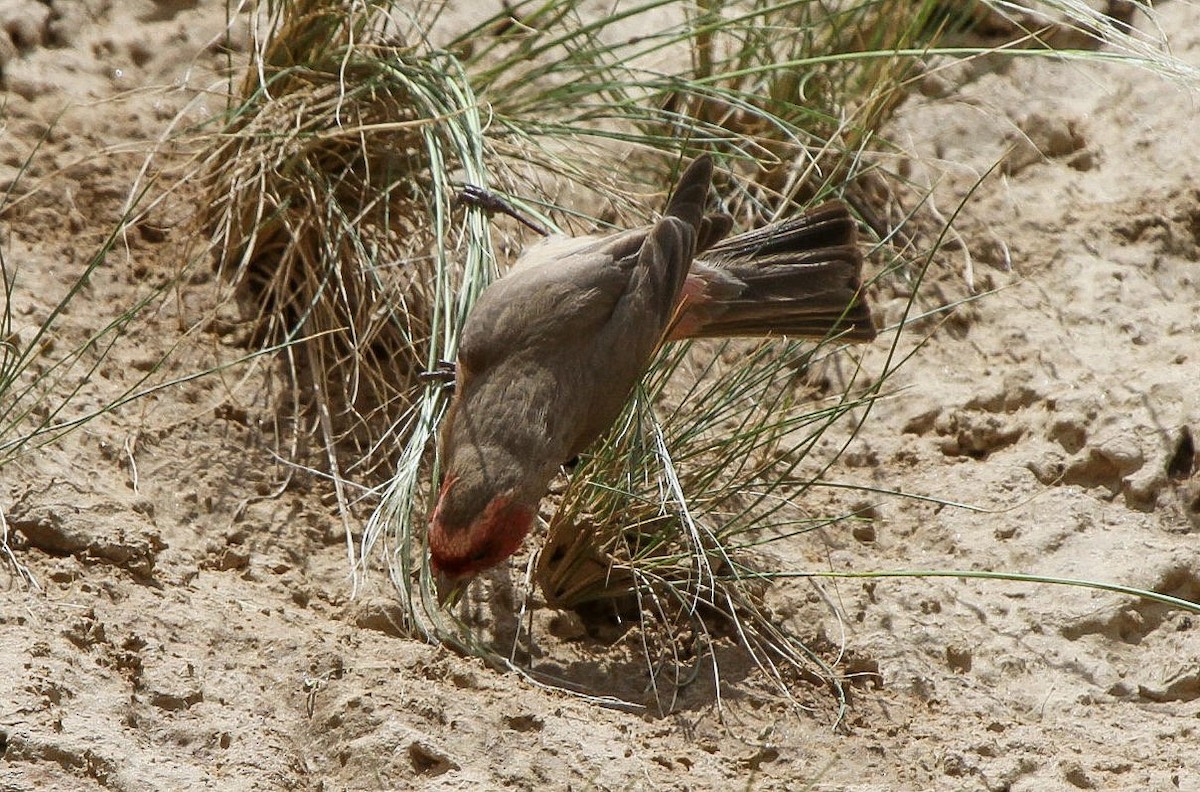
[(48, 362), (71, 356), (335, 156)]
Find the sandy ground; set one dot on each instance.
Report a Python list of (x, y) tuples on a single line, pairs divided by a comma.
[(192, 629)]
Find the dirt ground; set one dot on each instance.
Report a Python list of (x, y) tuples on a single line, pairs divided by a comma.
[(191, 626)]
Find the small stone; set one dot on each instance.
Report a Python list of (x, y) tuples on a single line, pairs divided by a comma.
[(1141, 490), (1085, 160), (958, 658), (956, 765), (1124, 454), (1076, 776), (525, 722), (429, 760), (171, 683), (1005, 532), (1048, 468), (379, 613)]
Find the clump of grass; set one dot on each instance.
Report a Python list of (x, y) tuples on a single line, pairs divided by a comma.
[(44, 372), (57, 349), (669, 516), (658, 512), (330, 213), (704, 458)]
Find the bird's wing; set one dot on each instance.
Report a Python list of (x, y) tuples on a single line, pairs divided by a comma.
[(562, 298), (621, 289), (657, 273)]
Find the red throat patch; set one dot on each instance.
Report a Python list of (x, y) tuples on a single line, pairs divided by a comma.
[(491, 537)]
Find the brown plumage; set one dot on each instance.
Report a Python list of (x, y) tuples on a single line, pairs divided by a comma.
[(552, 350)]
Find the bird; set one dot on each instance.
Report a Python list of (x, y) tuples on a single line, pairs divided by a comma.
[(553, 348)]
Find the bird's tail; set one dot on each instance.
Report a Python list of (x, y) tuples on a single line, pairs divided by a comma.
[(801, 277)]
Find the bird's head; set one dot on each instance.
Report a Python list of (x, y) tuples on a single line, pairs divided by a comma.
[(471, 531)]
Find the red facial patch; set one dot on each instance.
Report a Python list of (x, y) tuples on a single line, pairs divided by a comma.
[(492, 537)]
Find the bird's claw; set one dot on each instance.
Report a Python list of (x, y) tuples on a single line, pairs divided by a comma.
[(443, 374), (491, 203)]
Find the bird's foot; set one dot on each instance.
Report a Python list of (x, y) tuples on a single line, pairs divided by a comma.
[(490, 202), (443, 374)]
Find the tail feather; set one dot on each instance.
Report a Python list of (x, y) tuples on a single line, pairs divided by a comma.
[(713, 228), (691, 192), (824, 226), (801, 277)]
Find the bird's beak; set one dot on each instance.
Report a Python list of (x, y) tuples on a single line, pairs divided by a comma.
[(449, 591)]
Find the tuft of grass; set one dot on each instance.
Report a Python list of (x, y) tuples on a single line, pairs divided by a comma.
[(53, 354), (667, 519), (43, 374), (715, 435), (335, 153), (330, 212)]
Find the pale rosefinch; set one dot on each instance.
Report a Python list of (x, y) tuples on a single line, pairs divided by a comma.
[(552, 350)]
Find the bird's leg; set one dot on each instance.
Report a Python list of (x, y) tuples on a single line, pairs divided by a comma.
[(443, 373), (490, 202)]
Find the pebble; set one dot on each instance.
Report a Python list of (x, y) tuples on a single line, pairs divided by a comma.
[(1123, 453)]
